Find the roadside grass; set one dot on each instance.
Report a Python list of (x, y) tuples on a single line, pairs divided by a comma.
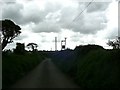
[(15, 66), (99, 68), (91, 67)]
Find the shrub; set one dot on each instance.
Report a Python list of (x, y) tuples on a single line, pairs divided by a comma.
[(16, 66)]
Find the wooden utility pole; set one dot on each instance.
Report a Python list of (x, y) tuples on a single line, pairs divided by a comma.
[(65, 42), (55, 43)]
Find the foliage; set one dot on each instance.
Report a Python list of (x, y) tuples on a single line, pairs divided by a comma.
[(99, 69), (33, 46), (20, 48), (115, 44), (9, 31), (16, 66), (91, 66)]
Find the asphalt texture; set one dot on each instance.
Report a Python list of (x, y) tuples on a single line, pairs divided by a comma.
[(45, 75)]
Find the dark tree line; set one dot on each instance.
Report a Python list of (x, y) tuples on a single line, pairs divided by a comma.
[(20, 47)]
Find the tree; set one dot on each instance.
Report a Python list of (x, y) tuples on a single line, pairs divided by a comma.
[(115, 44), (20, 48), (112, 44), (9, 31), (33, 46)]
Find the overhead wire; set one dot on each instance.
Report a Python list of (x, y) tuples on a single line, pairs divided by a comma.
[(82, 11), (76, 18)]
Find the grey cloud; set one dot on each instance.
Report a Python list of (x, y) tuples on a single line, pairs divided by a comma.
[(87, 28), (12, 11), (22, 15), (46, 26), (94, 6), (55, 11), (34, 16), (97, 6), (67, 15), (51, 25), (54, 16), (52, 7), (94, 22), (89, 24), (8, 1)]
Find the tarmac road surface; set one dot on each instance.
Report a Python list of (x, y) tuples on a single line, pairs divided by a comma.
[(45, 75)]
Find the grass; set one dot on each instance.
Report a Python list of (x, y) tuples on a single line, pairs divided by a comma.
[(92, 67), (99, 68), (15, 66)]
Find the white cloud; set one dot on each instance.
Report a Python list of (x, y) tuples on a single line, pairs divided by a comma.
[(43, 20), (112, 25)]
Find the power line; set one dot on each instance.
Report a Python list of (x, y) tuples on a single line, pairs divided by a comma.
[(55, 43), (82, 11)]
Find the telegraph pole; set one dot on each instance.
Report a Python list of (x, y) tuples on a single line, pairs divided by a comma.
[(55, 43), (65, 42)]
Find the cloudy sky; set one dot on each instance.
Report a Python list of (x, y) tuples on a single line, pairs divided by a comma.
[(43, 20)]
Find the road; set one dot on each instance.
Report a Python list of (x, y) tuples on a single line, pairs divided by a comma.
[(45, 75)]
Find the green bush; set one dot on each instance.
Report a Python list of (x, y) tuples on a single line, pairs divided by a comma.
[(15, 66), (92, 66), (99, 68)]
